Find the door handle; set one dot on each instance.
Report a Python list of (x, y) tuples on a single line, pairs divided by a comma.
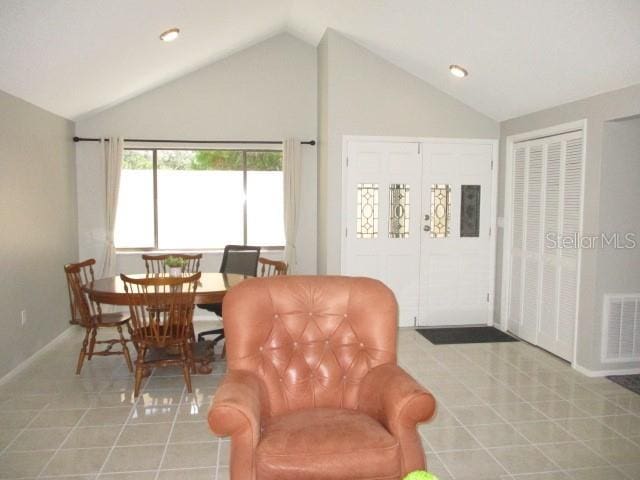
[(426, 228)]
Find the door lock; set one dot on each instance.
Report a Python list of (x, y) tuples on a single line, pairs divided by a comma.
[(426, 228)]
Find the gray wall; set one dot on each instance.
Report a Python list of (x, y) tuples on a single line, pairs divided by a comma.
[(597, 110), (39, 227), (362, 94), (619, 268), (266, 92)]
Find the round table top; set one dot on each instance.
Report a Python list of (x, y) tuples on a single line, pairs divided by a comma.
[(211, 287)]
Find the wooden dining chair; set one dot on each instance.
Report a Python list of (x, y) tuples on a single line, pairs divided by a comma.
[(88, 314), (272, 268), (161, 311), (155, 263)]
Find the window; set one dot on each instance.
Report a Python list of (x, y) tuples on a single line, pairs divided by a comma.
[(440, 210), (399, 210), (470, 210), (199, 199), (367, 211)]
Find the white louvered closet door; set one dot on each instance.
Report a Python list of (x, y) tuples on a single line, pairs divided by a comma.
[(517, 238), (546, 208)]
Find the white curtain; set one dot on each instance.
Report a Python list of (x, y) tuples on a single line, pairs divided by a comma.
[(113, 152), (291, 166)]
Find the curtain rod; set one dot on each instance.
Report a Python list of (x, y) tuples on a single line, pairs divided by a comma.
[(141, 140)]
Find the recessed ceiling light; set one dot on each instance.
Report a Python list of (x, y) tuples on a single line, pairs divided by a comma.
[(458, 71), (170, 35)]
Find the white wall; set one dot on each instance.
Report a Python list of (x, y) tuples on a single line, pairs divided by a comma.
[(39, 235), (266, 92), (323, 153), (362, 94), (597, 110)]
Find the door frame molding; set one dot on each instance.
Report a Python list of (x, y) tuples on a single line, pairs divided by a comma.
[(511, 140), (493, 142)]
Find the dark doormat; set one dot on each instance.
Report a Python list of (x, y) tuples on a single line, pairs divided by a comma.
[(630, 382), (452, 335)]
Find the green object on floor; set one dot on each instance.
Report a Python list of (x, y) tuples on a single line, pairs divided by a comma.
[(420, 475)]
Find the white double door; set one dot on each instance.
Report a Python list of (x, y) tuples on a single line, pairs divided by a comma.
[(418, 218)]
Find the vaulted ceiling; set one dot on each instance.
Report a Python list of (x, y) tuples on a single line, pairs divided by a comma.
[(73, 57)]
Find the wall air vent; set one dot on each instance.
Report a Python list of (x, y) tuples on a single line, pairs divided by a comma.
[(621, 328)]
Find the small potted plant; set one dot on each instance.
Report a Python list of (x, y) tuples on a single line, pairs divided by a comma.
[(175, 265)]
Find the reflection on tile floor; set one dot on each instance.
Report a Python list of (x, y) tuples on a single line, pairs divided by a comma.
[(505, 411)]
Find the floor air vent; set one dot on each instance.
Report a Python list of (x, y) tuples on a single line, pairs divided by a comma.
[(621, 328)]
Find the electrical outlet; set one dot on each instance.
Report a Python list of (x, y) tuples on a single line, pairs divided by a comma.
[(23, 318)]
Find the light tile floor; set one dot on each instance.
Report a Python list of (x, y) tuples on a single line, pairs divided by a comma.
[(505, 411)]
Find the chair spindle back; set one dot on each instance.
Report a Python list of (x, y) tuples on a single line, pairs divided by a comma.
[(272, 268), (161, 308), (83, 309)]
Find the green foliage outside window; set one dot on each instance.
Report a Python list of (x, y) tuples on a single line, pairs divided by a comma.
[(203, 160), (137, 160)]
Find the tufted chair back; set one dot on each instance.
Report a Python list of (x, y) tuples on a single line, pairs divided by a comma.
[(310, 339)]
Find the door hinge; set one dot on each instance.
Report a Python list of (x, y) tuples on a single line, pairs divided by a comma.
[(347, 161), (345, 233), (487, 298), (489, 231), (491, 164), (419, 145)]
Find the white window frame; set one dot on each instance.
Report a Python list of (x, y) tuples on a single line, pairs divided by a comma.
[(154, 148)]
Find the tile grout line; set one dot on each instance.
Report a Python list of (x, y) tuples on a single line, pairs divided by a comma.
[(583, 442), (173, 424), (488, 450), (73, 428), (152, 444), (215, 473), (64, 476), (67, 475), (507, 422), (480, 443), (535, 445), (547, 417), (124, 425), (21, 431), (443, 465)]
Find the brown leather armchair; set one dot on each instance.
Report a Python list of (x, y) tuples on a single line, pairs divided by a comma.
[(312, 389)]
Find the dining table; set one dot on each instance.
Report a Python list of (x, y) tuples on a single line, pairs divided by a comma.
[(211, 288)]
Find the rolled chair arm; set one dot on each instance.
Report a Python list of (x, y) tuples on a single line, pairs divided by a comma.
[(236, 405), (235, 411), (394, 398)]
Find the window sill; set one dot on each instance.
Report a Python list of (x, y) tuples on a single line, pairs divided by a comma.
[(145, 251)]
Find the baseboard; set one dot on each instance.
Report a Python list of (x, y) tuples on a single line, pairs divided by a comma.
[(28, 361), (605, 373), (206, 318)]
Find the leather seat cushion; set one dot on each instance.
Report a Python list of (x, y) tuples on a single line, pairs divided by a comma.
[(326, 444)]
